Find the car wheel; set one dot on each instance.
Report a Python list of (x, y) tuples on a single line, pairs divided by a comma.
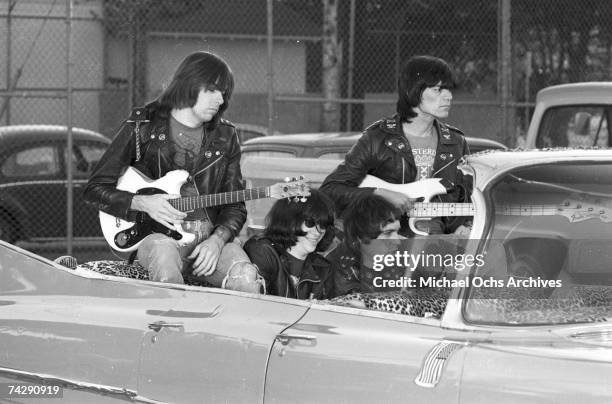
[(8, 231)]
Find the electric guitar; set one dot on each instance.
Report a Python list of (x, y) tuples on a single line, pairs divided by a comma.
[(123, 235), (576, 209)]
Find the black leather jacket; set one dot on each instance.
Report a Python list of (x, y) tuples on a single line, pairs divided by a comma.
[(216, 170), (316, 280), (384, 151)]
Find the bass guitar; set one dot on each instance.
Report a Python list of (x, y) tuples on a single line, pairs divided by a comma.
[(123, 235), (575, 209)]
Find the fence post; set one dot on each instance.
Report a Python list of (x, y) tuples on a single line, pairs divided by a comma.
[(351, 65), (270, 75), (69, 173), (505, 70)]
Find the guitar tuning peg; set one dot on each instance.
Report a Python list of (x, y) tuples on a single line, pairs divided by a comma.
[(303, 199), (293, 179), (287, 179), (301, 177)]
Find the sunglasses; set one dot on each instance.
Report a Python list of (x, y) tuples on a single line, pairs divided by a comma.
[(322, 225)]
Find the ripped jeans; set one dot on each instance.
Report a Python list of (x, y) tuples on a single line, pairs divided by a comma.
[(166, 260)]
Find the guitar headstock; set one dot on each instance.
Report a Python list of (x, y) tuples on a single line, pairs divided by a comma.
[(296, 188), (583, 207)]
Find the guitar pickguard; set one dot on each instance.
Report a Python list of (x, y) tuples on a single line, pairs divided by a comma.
[(143, 226)]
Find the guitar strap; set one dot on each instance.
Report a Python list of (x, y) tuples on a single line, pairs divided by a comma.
[(138, 117)]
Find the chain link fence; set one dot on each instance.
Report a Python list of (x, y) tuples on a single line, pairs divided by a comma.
[(300, 66)]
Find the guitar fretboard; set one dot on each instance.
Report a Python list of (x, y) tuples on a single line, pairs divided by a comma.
[(434, 209), (189, 203), (529, 210)]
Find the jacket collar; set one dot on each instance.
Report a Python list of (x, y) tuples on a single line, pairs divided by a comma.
[(393, 126)]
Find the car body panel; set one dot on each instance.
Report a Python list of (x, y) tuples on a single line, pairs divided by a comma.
[(226, 346), (94, 329), (363, 355)]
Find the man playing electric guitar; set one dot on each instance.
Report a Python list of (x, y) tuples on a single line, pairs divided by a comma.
[(181, 129), (410, 146)]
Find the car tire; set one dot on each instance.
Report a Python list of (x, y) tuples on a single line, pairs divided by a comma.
[(8, 230)]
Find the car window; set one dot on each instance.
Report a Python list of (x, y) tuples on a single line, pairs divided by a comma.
[(268, 153), (35, 161), (574, 126), (85, 156), (548, 249)]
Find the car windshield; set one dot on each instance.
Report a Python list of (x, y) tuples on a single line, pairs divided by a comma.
[(575, 126), (548, 248)]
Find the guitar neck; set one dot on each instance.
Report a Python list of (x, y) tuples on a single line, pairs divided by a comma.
[(189, 203), (529, 210), (436, 209)]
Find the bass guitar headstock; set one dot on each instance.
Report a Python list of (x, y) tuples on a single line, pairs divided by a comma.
[(579, 207)]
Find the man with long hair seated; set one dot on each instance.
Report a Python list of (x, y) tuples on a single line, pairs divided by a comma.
[(288, 253)]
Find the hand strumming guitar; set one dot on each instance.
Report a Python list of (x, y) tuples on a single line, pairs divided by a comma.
[(158, 207)]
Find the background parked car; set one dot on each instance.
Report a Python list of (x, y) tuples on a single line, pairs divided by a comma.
[(329, 146), (33, 181), (268, 160), (248, 131), (571, 115)]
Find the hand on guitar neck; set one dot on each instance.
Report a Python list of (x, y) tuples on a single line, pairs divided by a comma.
[(158, 207), (398, 199)]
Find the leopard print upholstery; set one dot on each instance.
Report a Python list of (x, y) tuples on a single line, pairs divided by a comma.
[(134, 271), (577, 304), (428, 303)]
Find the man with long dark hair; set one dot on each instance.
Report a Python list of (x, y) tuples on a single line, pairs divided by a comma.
[(409, 146), (181, 129)]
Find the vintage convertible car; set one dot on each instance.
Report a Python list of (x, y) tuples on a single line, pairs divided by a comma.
[(534, 327)]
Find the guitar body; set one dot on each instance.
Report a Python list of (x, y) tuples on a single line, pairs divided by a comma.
[(425, 189), (126, 236)]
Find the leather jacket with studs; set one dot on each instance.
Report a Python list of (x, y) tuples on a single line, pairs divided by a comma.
[(384, 151), (217, 167)]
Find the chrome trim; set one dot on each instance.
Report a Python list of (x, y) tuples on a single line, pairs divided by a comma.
[(433, 365), (132, 395), (158, 325), (284, 339)]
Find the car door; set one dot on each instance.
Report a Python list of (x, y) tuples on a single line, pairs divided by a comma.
[(62, 327), (212, 345), (33, 184), (340, 354)]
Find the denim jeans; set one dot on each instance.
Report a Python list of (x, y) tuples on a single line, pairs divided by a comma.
[(166, 260)]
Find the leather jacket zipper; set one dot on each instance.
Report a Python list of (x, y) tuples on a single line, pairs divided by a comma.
[(208, 166)]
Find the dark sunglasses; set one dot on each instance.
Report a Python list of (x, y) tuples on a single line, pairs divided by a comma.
[(322, 225)]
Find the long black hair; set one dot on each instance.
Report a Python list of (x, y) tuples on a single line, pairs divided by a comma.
[(364, 219), (199, 70), (418, 73), (284, 221)]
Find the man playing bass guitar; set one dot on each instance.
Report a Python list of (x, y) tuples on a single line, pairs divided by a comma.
[(181, 129), (410, 146)]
